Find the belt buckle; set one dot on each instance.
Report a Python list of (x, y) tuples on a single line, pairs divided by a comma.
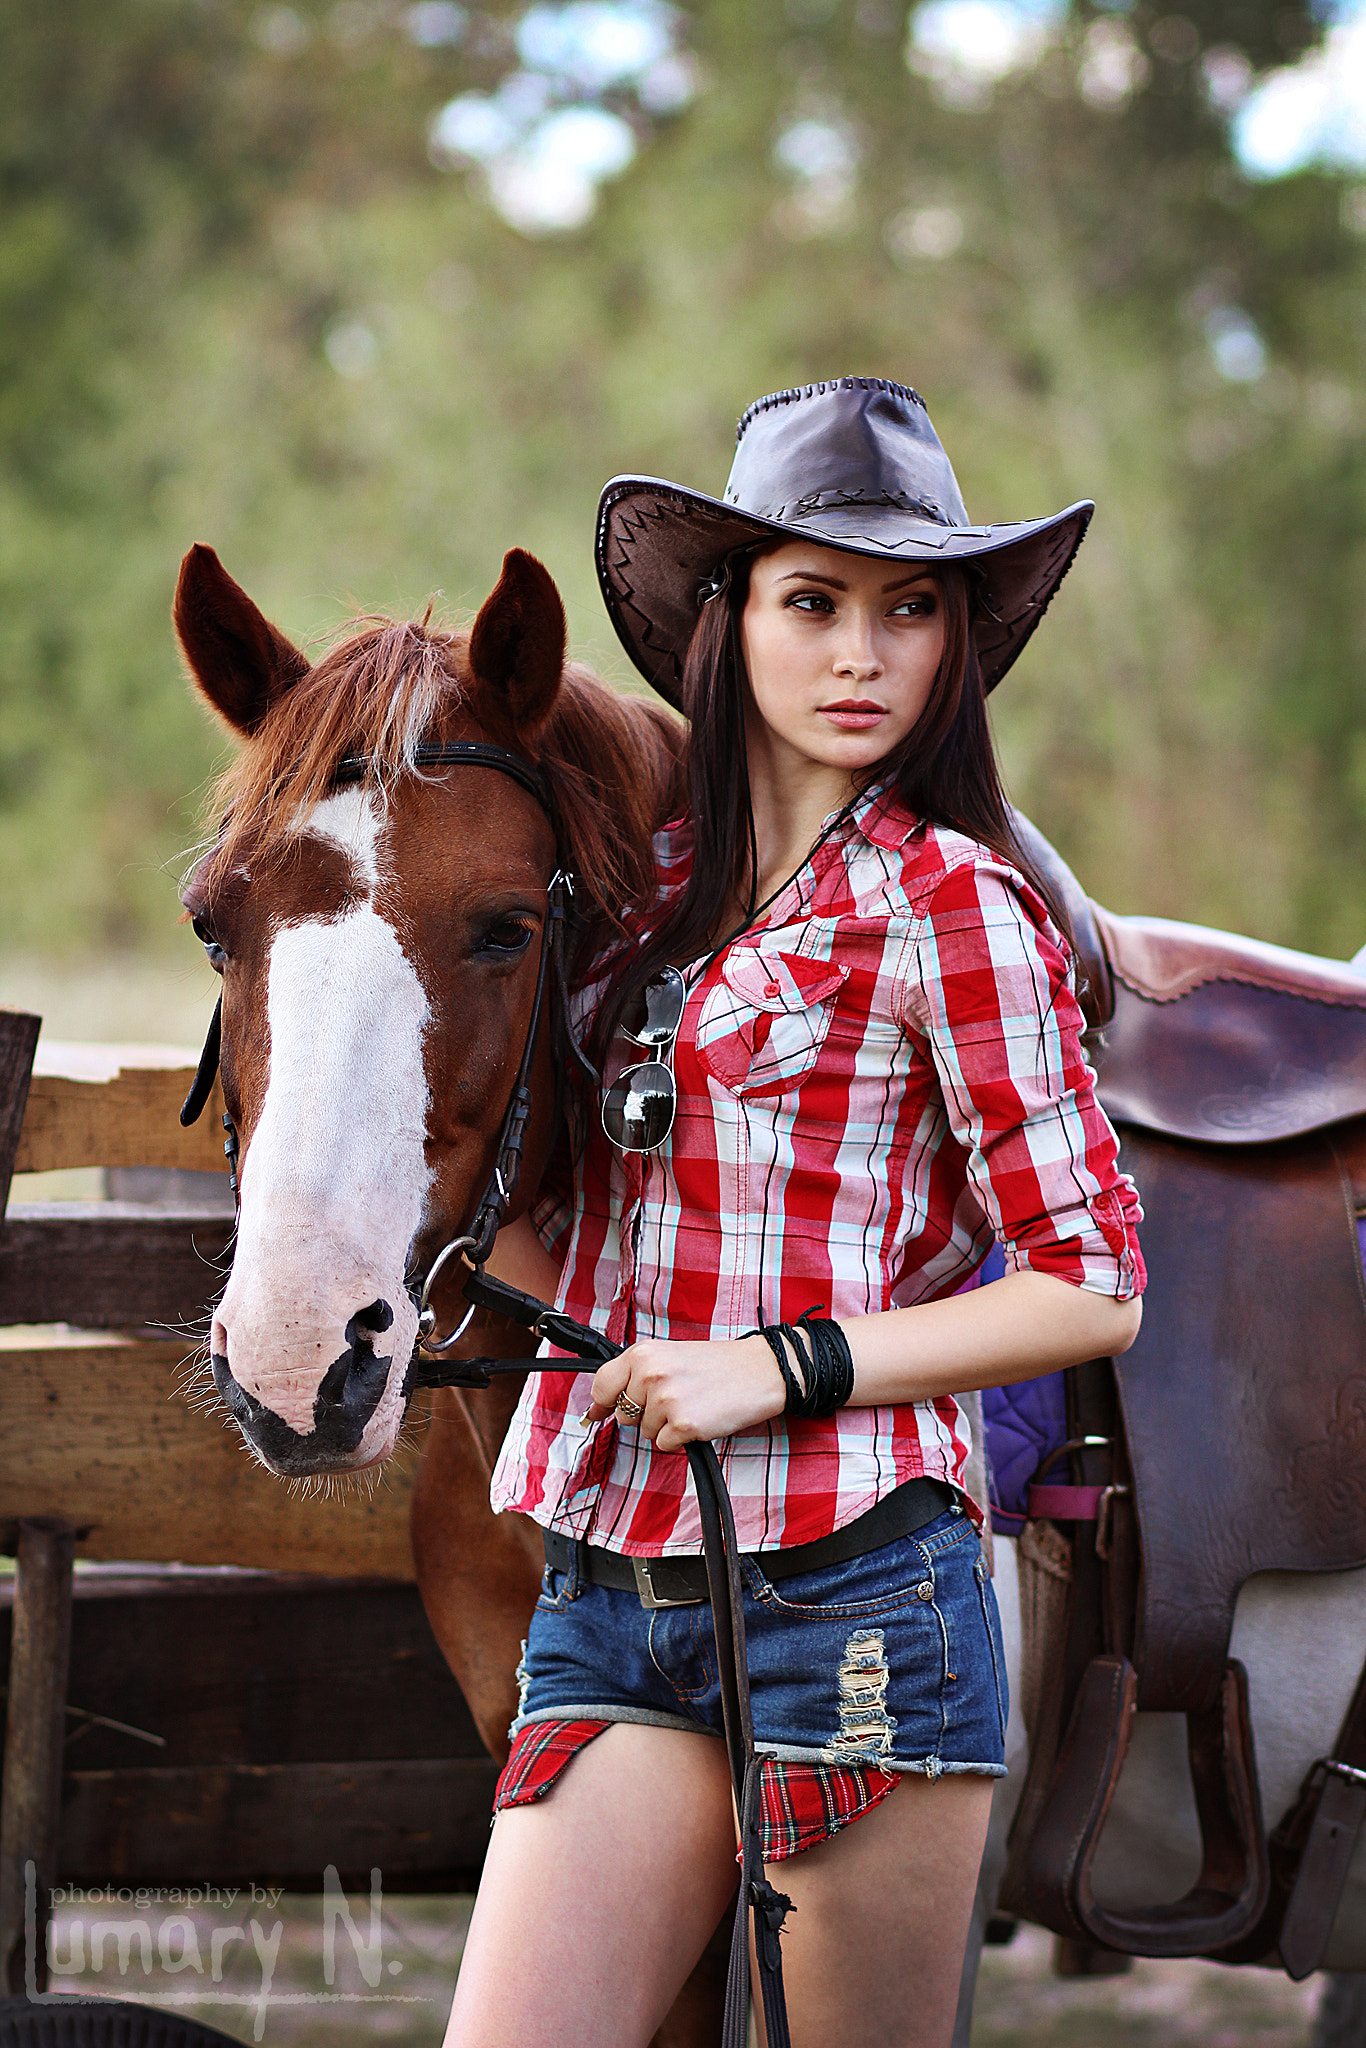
[(645, 1587)]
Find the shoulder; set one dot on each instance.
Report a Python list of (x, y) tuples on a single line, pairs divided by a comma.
[(952, 879), (980, 933)]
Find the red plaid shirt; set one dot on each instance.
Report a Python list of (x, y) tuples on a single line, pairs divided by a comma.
[(882, 1074)]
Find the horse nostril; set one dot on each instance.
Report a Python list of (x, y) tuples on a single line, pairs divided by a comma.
[(377, 1317)]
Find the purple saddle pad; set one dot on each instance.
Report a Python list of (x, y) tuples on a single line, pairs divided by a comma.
[(1023, 1423)]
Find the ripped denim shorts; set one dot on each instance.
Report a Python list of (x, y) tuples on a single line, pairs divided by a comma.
[(891, 1661)]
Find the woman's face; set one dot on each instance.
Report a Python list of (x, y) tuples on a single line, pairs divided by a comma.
[(842, 652)]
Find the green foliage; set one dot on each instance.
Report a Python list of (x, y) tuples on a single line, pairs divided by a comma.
[(239, 305)]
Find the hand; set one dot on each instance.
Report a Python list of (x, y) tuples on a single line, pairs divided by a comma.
[(691, 1393)]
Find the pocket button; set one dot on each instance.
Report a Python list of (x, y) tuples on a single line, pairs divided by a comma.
[(925, 1590)]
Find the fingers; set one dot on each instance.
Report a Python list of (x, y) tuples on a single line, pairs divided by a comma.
[(610, 1382), (633, 1381)]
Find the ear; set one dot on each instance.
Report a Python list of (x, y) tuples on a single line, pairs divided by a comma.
[(240, 661), (517, 646)]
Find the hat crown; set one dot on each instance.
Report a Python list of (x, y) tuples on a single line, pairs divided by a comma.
[(851, 441)]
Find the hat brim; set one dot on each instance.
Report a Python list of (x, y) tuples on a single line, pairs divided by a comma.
[(657, 543)]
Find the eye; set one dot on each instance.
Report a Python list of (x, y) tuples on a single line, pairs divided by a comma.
[(505, 938), (217, 957), (810, 601), (920, 604)]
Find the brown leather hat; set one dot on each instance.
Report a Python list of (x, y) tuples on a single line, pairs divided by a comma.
[(852, 463)]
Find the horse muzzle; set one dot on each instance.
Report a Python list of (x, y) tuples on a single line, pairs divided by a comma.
[(348, 1428)]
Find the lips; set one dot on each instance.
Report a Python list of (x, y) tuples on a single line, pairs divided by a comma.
[(853, 714)]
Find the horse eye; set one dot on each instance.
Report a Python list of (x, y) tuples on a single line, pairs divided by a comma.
[(217, 956), (509, 936)]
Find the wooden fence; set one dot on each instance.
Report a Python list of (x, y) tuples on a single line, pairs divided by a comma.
[(213, 1678)]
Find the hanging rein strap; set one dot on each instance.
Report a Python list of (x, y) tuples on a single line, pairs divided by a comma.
[(725, 1587)]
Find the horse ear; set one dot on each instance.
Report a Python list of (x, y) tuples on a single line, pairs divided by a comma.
[(240, 661), (517, 646)]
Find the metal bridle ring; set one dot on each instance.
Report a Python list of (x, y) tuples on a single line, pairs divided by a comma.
[(426, 1314)]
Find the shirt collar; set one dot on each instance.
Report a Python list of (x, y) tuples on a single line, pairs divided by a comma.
[(880, 816)]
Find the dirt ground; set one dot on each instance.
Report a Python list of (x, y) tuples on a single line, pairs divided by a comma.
[(389, 1979)]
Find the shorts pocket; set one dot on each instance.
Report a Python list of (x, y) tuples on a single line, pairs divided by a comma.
[(557, 1590), (884, 1581), (762, 1027)]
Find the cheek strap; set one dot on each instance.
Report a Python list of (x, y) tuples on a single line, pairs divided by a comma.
[(207, 1072)]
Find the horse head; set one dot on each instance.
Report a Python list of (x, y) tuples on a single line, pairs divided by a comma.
[(377, 921)]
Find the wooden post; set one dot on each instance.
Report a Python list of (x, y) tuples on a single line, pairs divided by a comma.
[(18, 1039), (31, 1796)]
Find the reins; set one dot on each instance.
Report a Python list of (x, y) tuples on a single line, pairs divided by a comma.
[(725, 1588), (725, 1584)]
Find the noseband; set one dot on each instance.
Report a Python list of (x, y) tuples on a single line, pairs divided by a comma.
[(477, 1242)]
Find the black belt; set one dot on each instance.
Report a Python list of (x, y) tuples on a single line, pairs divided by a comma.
[(682, 1581)]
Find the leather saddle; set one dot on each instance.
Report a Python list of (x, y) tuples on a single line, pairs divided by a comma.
[(1233, 1434)]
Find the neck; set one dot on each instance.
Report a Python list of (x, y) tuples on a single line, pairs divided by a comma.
[(791, 799)]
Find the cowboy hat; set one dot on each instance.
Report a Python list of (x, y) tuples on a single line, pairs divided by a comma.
[(852, 463)]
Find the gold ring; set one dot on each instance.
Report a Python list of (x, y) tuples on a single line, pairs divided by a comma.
[(629, 1410)]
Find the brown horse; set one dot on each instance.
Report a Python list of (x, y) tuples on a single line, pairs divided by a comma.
[(379, 949)]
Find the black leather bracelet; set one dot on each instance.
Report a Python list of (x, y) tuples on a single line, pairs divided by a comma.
[(831, 1380), (828, 1371), (774, 1335)]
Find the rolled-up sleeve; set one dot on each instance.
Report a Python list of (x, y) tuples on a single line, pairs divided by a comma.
[(988, 987)]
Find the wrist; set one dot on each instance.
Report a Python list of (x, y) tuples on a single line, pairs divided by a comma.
[(771, 1393)]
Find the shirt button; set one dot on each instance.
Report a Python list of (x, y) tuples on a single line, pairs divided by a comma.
[(770, 988), (925, 1590)]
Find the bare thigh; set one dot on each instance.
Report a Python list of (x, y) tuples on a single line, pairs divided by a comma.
[(597, 1900), (873, 1952)]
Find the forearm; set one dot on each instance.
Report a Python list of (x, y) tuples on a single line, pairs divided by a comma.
[(1017, 1328)]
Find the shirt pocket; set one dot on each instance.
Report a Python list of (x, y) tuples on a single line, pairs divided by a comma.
[(762, 1027)]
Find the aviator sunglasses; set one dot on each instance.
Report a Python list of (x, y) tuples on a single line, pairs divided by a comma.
[(638, 1109)]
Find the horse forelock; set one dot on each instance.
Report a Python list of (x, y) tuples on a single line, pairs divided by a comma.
[(379, 693), (611, 762)]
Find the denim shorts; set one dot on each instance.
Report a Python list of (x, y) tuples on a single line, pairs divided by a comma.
[(892, 1660)]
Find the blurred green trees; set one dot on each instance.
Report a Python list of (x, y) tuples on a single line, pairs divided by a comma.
[(240, 303)]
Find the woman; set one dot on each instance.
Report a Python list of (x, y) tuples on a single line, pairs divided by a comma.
[(842, 1052)]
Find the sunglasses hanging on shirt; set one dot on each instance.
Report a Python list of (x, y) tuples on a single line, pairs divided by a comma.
[(638, 1109)]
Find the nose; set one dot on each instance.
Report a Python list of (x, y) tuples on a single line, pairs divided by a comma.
[(347, 1396), (856, 654)]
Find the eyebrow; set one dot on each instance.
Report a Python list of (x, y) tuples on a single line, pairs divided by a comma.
[(838, 583)]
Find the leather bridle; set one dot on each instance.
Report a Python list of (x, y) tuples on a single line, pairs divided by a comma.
[(477, 1242)]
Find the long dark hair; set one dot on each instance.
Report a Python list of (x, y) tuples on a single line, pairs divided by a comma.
[(943, 771)]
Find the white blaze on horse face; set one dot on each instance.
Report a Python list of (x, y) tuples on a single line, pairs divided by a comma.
[(335, 1175), (350, 821)]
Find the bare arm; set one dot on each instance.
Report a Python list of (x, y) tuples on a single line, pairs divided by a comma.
[(1015, 1329)]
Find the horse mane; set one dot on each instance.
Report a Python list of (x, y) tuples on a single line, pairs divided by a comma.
[(611, 762)]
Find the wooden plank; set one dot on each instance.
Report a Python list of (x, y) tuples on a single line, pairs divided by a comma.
[(111, 1265), (106, 1436), (35, 1727), (254, 1668), (424, 1824), (18, 1039), (116, 1106)]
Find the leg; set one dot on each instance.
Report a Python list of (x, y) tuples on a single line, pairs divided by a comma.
[(597, 1901), (873, 1951)]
